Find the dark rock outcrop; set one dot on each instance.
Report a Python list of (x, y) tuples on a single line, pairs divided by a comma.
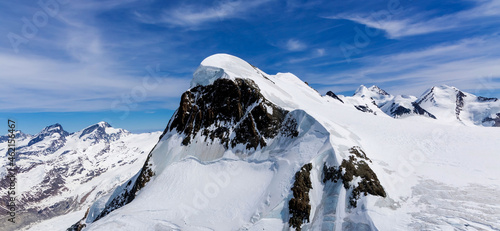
[(400, 110), (229, 112), (420, 111), (485, 99), (496, 120), (355, 166), (459, 103), (333, 95), (299, 206), (227, 107), (365, 108)]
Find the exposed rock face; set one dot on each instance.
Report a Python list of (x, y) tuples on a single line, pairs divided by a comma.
[(460, 103), (53, 137), (485, 99), (229, 112), (379, 90), (48, 131), (97, 133), (227, 107), (429, 96), (420, 111), (400, 110), (299, 206), (365, 108), (496, 120), (333, 95), (356, 166)]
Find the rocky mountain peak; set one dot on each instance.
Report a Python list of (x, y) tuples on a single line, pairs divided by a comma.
[(372, 91), (378, 90), (49, 131), (101, 130), (232, 112)]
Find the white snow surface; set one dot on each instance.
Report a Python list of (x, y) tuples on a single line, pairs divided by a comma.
[(437, 175)]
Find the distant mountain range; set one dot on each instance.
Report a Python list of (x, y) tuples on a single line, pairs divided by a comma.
[(62, 173), (444, 103)]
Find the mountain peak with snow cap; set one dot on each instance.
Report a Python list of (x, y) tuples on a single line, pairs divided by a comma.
[(104, 124), (374, 93), (450, 104), (54, 128), (378, 90), (361, 91), (101, 130), (374, 90), (221, 66), (54, 131)]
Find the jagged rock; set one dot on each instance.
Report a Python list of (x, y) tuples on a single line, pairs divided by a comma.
[(460, 103), (333, 95), (299, 206), (355, 166), (216, 111), (365, 108)]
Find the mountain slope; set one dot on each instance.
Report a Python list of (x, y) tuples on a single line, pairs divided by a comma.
[(252, 151), (61, 172), (394, 106), (450, 104)]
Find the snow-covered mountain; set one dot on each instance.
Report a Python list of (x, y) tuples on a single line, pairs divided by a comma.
[(449, 103), (444, 103), (62, 173), (247, 150), (367, 99)]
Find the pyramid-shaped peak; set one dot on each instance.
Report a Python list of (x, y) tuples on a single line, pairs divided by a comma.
[(48, 132), (54, 128), (361, 90), (372, 91), (378, 90)]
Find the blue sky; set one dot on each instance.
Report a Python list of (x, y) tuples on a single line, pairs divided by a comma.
[(127, 62)]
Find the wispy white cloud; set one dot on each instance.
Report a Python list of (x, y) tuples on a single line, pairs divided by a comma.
[(462, 64), (295, 45), (320, 52), (313, 54), (195, 15), (40, 84), (401, 25), (77, 64), (80, 73)]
